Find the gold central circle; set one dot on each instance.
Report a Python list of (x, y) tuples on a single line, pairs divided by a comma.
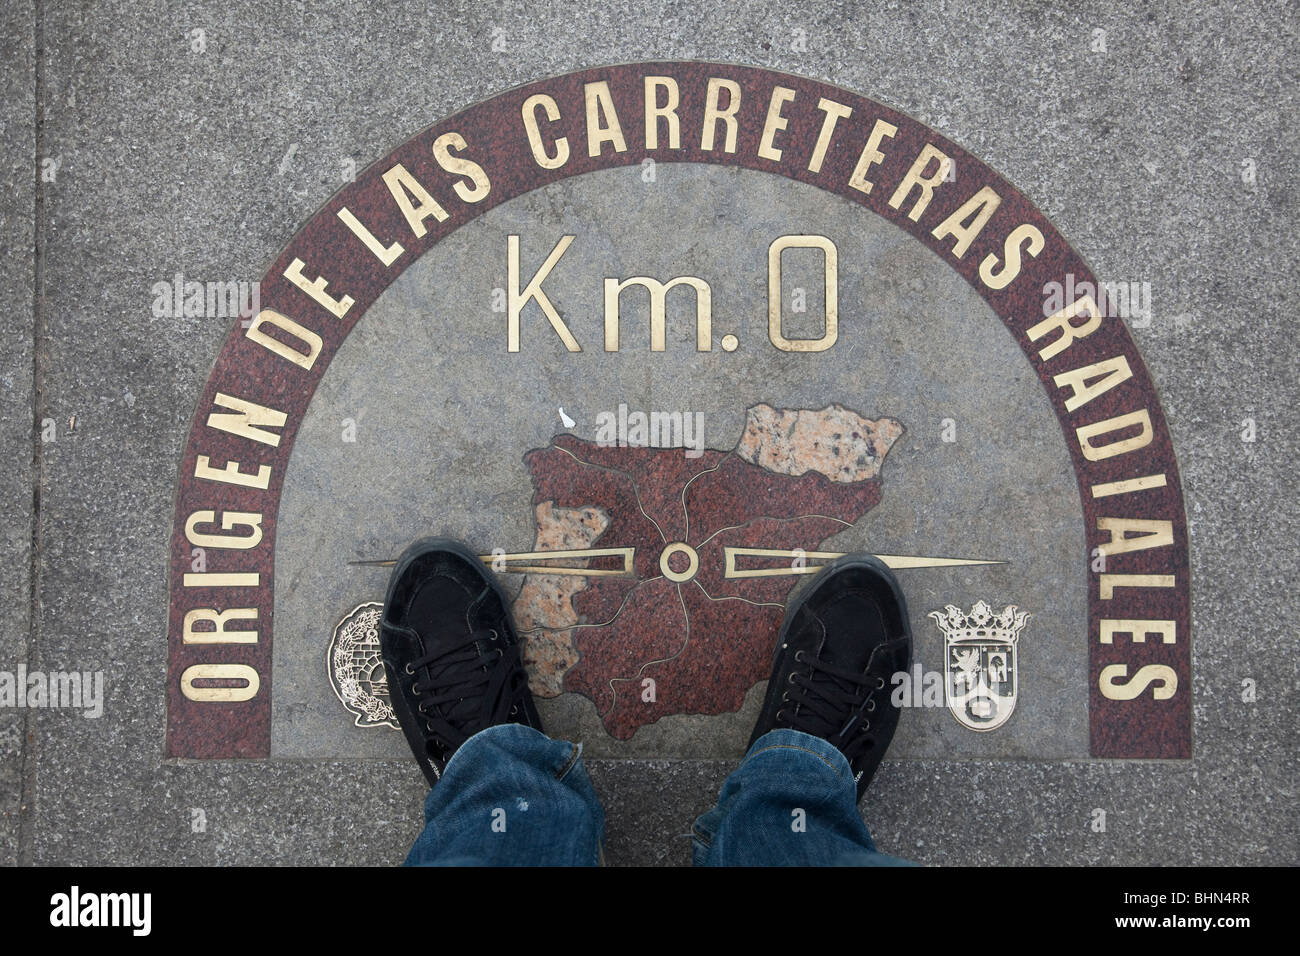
[(679, 547)]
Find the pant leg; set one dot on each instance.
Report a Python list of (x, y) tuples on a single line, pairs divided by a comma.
[(791, 802), (511, 796)]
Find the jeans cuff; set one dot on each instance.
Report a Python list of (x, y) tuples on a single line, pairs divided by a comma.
[(515, 738), (523, 743), (785, 739)]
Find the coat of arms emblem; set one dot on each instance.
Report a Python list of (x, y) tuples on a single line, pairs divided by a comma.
[(356, 668), (980, 650)]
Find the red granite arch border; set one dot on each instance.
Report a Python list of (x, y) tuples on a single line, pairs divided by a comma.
[(494, 137)]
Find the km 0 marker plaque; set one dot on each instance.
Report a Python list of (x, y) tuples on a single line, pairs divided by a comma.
[(1135, 632)]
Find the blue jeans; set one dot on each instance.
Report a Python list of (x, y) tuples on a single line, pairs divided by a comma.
[(512, 796)]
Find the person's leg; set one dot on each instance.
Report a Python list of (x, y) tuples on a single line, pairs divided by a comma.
[(511, 796), (792, 801), (502, 792), (826, 722)]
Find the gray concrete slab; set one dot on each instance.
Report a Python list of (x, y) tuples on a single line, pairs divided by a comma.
[(18, 168), (205, 163)]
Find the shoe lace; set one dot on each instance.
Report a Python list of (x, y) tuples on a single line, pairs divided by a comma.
[(834, 703), (467, 687)]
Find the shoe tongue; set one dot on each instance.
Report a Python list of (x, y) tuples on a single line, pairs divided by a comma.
[(854, 627)]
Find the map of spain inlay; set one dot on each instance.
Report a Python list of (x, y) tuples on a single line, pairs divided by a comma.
[(685, 620)]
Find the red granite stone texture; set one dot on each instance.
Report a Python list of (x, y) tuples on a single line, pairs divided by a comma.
[(706, 641)]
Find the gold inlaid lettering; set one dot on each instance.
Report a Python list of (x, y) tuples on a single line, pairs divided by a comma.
[(1138, 630), (775, 123), (229, 521), (1019, 236), (200, 672), (775, 331), (218, 579), (834, 113), (712, 114), (315, 288), (1109, 582), (1069, 331), (1144, 678), (871, 155), (1134, 534), (1108, 488), (402, 186), (218, 619), (978, 209), (269, 317), (1110, 371), (385, 254), (668, 112), (599, 132), (658, 310), (479, 185), (516, 300), (231, 474), (248, 418), (916, 177), (540, 155), (1119, 447)]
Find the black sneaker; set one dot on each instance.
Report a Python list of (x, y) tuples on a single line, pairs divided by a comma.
[(451, 652), (841, 640)]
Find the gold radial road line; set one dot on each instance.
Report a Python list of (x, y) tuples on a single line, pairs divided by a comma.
[(508, 562), (496, 560), (893, 561)]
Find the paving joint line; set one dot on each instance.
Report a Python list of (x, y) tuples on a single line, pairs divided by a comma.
[(27, 798)]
